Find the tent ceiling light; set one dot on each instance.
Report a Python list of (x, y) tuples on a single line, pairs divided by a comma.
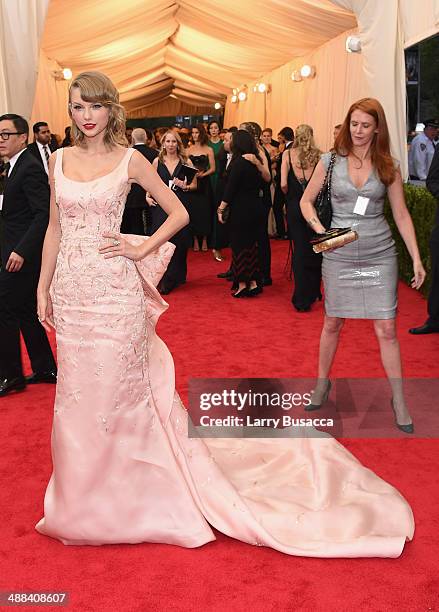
[(307, 71), (262, 88), (62, 75), (296, 76), (242, 96), (234, 99), (217, 105), (353, 44)]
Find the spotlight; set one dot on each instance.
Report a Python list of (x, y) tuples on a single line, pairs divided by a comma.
[(234, 98), (242, 96), (217, 105), (62, 75), (296, 76), (307, 71), (261, 87), (234, 91), (353, 44)]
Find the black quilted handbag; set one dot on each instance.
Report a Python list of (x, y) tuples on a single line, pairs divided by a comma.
[(323, 202)]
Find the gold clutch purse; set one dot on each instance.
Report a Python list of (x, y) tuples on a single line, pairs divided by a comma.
[(333, 239)]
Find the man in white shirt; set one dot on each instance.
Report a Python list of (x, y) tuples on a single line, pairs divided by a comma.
[(422, 150), (41, 148)]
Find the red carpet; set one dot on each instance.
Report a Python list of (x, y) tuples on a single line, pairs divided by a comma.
[(212, 335)]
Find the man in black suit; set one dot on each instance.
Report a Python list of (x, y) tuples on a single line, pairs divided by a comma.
[(136, 206), (25, 215), (42, 147), (431, 326)]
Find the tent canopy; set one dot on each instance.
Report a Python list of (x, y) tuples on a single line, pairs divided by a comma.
[(190, 50), (170, 58)]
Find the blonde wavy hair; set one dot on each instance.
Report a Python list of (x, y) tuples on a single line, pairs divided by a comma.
[(307, 153), (181, 151), (97, 87)]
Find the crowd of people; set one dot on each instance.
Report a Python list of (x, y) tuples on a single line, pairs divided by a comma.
[(76, 258), (272, 211), (245, 189)]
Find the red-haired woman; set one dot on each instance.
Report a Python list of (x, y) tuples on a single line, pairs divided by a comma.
[(360, 279)]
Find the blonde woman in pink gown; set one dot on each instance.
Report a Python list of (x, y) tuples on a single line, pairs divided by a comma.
[(124, 469)]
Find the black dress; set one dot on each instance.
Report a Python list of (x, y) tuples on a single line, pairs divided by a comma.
[(201, 200), (137, 214), (177, 269), (279, 199), (306, 265), (264, 248), (244, 194), (220, 235)]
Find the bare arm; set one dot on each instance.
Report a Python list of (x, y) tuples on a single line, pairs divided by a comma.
[(150, 200), (50, 253), (141, 172), (192, 186), (309, 197), (264, 168), (285, 166), (211, 169), (405, 227)]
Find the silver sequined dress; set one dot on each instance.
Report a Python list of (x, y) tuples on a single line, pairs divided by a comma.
[(360, 278)]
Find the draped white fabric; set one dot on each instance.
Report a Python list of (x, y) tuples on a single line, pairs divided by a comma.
[(21, 26), (382, 40), (51, 97), (420, 20)]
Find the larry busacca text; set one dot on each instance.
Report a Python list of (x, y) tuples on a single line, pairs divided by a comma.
[(273, 422)]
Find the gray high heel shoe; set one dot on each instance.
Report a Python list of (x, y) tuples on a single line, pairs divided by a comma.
[(323, 400), (409, 428)]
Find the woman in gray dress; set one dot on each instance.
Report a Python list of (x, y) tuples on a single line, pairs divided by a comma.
[(360, 278)]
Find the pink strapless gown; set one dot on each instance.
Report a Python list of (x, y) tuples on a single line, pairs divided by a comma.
[(124, 469)]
